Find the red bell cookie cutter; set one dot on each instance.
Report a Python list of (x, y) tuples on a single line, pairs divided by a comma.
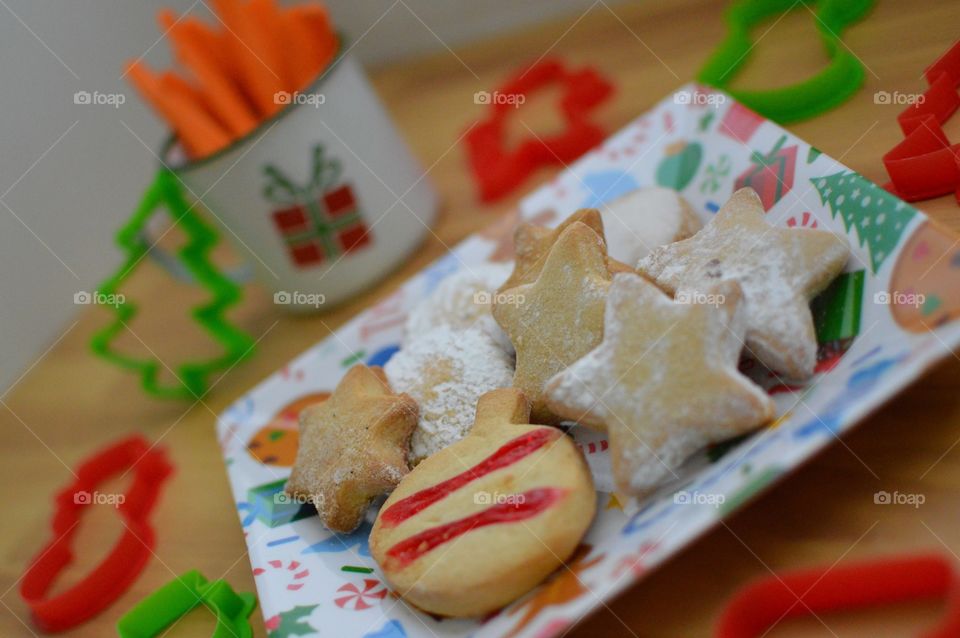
[(925, 164), (115, 573), (755, 609), (498, 170)]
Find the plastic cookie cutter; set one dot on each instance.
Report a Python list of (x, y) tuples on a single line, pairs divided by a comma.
[(755, 609), (925, 164), (116, 572), (829, 88), (498, 170), (192, 377), (158, 611)]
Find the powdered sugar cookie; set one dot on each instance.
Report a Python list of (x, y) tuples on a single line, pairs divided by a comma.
[(664, 381), (446, 371), (353, 448), (462, 300), (480, 523), (639, 221), (779, 269), (559, 317)]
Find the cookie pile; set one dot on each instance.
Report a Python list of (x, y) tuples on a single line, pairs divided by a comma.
[(498, 497)]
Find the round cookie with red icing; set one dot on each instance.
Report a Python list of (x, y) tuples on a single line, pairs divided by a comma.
[(480, 523)]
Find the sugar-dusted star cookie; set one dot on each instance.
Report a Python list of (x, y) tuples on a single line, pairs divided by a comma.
[(664, 381), (558, 318), (480, 523), (779, 269), (353, 447), (532, 243)]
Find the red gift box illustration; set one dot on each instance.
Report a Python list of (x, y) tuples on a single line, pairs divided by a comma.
[(771, 175), (321, 221)]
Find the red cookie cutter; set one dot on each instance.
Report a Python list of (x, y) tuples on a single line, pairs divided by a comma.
[(925, 164), (498, 170), (108, 580), (755, 609)]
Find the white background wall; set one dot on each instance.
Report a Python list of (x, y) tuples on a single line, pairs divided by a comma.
[(70, 174)]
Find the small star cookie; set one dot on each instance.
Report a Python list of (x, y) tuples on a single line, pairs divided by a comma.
[(353, 448), (664, 381), (480, 523), (558, 318), (532, 244), (779, 269)]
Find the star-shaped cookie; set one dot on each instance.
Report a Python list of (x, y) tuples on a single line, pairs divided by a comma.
[(532, 243), (779, 269), (559, 317), (353, 447), (664, 381)]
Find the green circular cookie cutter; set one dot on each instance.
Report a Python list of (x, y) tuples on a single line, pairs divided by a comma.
[(842, 77), (192, 377), (158, 611)]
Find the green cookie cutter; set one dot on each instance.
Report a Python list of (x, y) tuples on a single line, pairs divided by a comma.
[(192, 376), (155, 613), (842, 77)]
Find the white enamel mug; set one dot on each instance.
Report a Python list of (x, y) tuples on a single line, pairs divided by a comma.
[(324, 199)]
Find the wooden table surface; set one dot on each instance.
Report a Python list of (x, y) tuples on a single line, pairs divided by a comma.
[(69, 403)]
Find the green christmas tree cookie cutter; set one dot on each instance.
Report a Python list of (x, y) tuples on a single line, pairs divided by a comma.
[(192, 376), (158, 611), (842, 77)]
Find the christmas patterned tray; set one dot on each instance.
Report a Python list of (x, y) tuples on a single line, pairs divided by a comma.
[(888, 318)]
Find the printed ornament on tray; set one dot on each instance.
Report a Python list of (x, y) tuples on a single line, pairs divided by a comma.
[(770, 174), (321, 220)]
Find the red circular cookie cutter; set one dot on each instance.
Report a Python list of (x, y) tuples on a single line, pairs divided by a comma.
[(925, 164), (498, 170), (756, 608), (117, 571)]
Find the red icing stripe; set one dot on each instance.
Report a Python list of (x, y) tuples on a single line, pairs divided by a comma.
[(521, 507), (508, 454)]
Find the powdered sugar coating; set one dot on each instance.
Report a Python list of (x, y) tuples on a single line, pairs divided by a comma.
[(645, 219), (663, 381), (779, 270), (462, 300), (446, 370)]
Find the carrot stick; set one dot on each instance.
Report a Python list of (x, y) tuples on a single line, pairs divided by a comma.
[(266, 15), (311, 43), (255, 56), (221, 96), (195, 127)]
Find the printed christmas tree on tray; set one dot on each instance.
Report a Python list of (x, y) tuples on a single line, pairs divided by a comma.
[(878, 217)]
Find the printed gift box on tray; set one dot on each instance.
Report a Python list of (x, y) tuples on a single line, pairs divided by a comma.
[(874, 325)]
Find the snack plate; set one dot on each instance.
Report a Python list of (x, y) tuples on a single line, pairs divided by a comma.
[(880, 325)]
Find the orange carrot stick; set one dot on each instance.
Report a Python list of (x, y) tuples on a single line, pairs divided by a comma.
[(254, 55), (311, 43), (222, 97), (195, 127)]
